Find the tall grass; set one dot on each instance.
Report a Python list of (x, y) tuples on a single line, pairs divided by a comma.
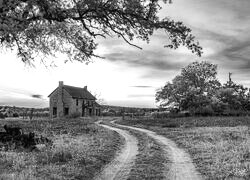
[(218, 152), (80, 149), (186, 122), (219, 146)]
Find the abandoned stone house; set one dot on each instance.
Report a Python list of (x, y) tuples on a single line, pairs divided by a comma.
[(66, 101)]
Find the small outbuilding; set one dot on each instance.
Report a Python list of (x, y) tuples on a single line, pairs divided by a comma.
[(67, 101)]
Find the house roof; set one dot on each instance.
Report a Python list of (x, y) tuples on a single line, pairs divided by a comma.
[(77, 92), (97, 105)]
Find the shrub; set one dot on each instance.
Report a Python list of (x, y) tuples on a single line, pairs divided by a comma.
[(75, 115), (219, 107), (108, 114), (204, 111), (170, 125), (15, 114), (234, 112), (185, 113), (167, 114), (61, 157), (2, 116), (42, 114)]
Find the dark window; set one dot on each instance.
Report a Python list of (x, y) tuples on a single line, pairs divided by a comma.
[(54, 111), (77, 102), (66, 111), (90, 112), (83, 111), (90, 103)]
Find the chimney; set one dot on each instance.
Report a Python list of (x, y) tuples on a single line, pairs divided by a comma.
[(86, 87), (60, 83)]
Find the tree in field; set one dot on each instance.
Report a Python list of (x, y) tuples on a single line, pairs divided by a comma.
[(192, 89), (236, 96), (38, 28)]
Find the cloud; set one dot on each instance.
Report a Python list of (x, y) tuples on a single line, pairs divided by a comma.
[(153, 59), (240, 51), (35, 103), (229, 50), (130, 102), (141, 96), (142, 86), (37, 96), (221, 16), (220, 26)]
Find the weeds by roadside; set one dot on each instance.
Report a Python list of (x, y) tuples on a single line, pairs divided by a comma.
[(187, 122), (219, 152), (80, 149)]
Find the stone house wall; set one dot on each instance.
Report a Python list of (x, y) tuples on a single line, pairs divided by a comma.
[(62, 104), (56, 101)]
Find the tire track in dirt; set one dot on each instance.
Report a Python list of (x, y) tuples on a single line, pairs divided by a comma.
[(182, 167), (120, 167)]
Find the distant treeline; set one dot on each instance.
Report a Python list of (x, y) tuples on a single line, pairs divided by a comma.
[(108, 110), (13, 111)]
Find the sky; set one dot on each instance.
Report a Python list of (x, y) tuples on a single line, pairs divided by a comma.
[(129, 76)]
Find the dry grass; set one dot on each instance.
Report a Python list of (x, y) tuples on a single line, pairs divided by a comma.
[(186, 122), (219, 152), (150, 163), (80, 150)]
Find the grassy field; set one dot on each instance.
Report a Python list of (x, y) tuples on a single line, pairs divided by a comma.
[(219, 146), (80, 149)]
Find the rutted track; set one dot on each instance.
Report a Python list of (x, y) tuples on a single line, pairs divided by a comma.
[(182, 167), (120, 167)]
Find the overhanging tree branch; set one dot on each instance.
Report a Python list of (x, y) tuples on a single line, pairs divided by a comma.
[(82, 21)]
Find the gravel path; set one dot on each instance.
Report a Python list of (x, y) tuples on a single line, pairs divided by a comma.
[(120, 167), (182, 167)]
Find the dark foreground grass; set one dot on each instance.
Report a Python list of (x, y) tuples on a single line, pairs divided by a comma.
[(80, 150), (151, 162), (221, 151)]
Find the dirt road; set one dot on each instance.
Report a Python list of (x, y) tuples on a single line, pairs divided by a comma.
[(120, 167), (182, 167)]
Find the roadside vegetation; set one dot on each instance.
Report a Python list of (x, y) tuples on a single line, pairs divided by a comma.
[(80, 149), (219, 146), (188, 122)]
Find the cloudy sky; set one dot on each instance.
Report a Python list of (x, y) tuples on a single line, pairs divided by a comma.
[(130, 77)]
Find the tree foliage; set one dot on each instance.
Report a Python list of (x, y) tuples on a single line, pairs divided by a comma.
[(43, 27), (193, 88), (197, 89), (236, 96)]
